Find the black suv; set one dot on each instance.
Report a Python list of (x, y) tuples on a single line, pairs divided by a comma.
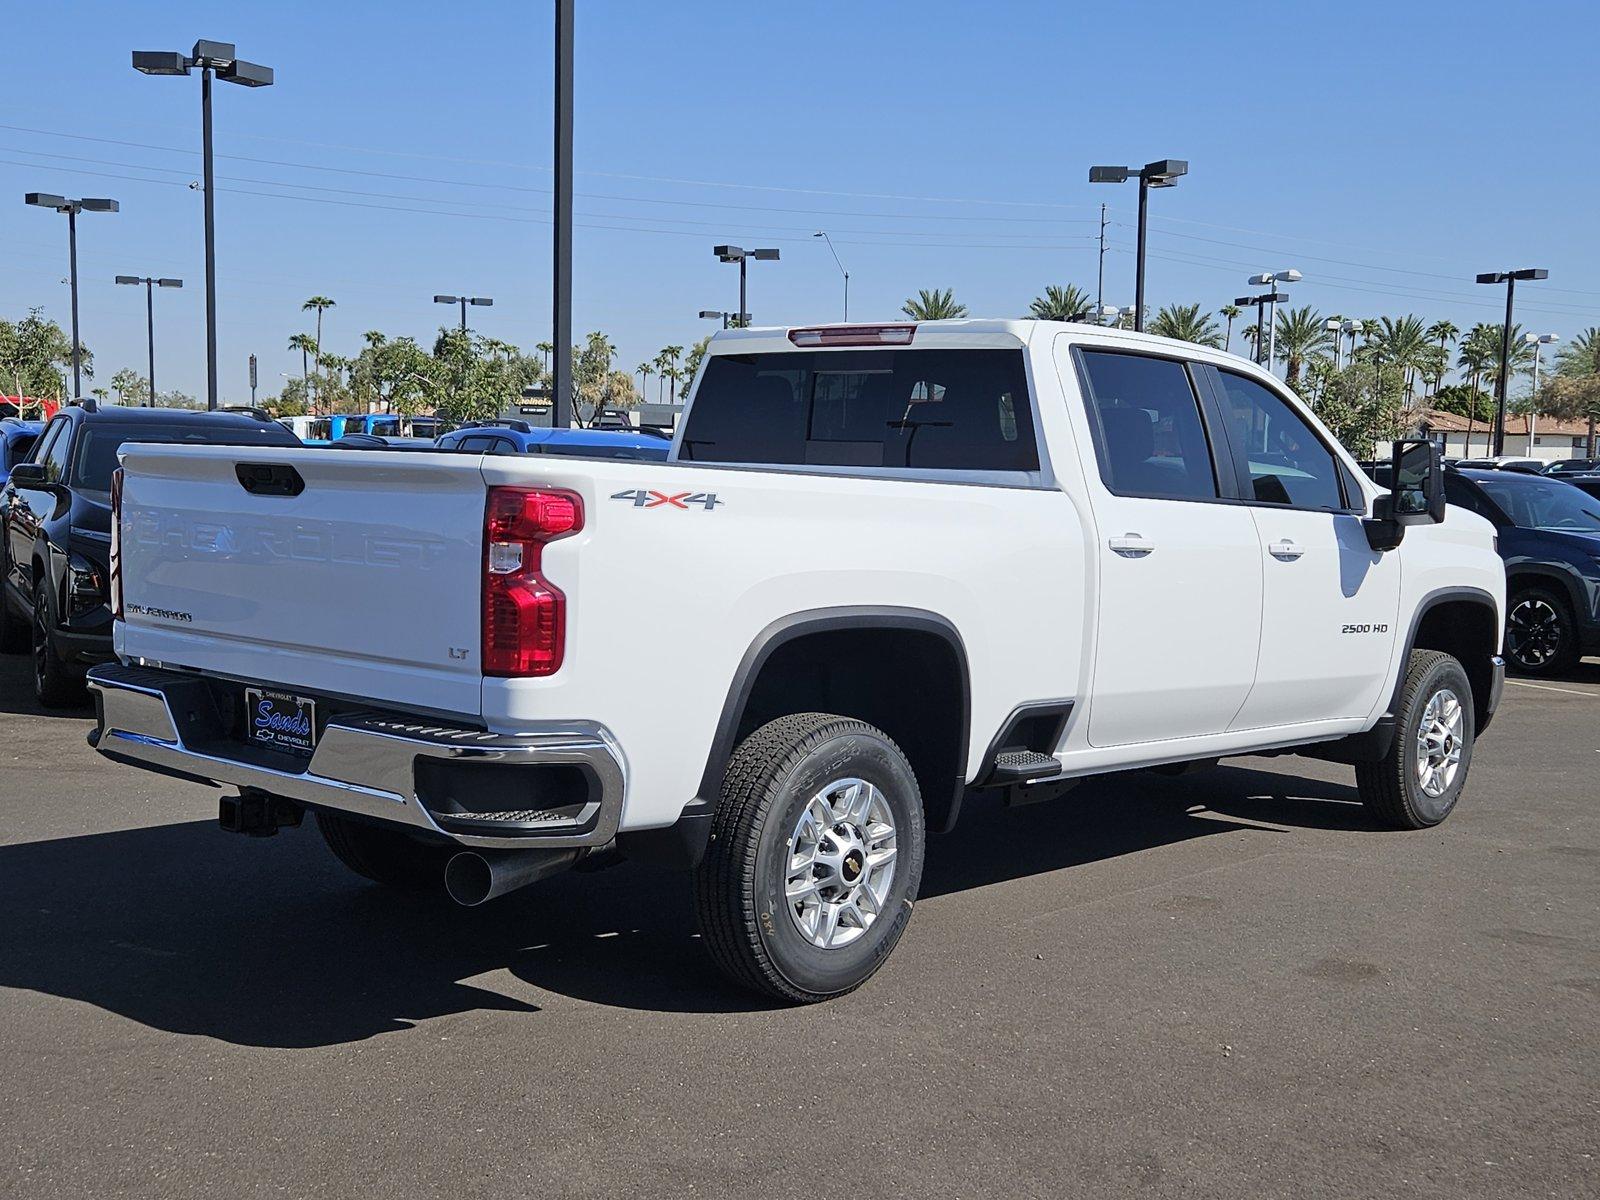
[(55, 531), (1549, 534)]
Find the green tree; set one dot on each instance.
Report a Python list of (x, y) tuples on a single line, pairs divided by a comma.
[(644, 370), (319, 304), (1186, 323), (1229, 311), (307, 345), (671, 355), (35, 353), (1580, 356), (1444, 333), (132, 388), (935, 305), (1058, 303), (1404, 343), (1302, 335), (691, 365), (1575, 390)]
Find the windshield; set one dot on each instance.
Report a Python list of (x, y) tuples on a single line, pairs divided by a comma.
[(98, 445), (1534, 503)]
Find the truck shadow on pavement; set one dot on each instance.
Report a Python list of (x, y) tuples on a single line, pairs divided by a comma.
[(271, 943)]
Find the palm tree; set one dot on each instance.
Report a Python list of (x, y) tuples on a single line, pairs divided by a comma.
[(1186, 323), (935, 305), (644, 370), (672, 354), (1057, 304), (1479, 349), (319, 303), (1404, 344), (1252, 335), (1230, 311), (1580, 356), (661, 366), (307, 346), (1442, 332), (1302, 334), (545, 349)]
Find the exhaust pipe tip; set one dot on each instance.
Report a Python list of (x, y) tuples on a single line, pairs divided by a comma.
[(475, 877)]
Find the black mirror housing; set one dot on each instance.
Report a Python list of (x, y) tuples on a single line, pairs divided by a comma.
[(1416, 484), (29, 475)]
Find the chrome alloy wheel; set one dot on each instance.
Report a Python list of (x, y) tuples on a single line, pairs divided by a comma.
[(1439, 742), (1533, 631), (841, 863)]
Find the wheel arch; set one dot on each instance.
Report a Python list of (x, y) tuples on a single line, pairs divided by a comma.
[(843, 660), (1563, 582), (1464, 622)]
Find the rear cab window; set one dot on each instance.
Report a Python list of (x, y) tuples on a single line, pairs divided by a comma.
[(954, 410)]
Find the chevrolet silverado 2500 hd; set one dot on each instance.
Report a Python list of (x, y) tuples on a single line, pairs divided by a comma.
[(888, 566)]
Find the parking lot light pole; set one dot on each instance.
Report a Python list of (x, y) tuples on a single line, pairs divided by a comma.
[(150, 285), (1266, 279), (1509, 278), (1538, 341), (711, 314), (463, 301), (1260, 302), (1161, 174), (72, 208), (729, 254), (219, 59), (1333, 326), (823, 234)]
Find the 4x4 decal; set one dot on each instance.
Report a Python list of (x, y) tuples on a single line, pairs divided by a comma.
[(650, 499)]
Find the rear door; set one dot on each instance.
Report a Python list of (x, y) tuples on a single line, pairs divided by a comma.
[(1329, 601), (1180, 570)]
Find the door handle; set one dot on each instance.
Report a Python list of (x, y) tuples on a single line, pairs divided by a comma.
[(1131, 545), (1285, 549)]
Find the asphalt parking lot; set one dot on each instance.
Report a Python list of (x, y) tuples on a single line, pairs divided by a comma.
[(1228, 984)]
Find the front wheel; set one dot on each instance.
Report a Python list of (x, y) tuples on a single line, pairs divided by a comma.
[(1541, 636), (1417, 784), (55, 684), (814, 860)]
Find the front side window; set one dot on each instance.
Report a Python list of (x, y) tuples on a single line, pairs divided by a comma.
[(962, 410), (55, 454), (41, 448), (1288, 462), (1147, 428)]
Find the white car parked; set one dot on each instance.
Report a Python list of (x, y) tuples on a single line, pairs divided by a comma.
[(885, 566)]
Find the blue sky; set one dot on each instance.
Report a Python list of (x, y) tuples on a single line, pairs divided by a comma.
[(1388, 151)]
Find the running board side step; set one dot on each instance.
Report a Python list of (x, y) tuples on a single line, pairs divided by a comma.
[(1022, 766)]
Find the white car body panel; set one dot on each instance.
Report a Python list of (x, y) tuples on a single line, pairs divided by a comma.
[(1204, 647)]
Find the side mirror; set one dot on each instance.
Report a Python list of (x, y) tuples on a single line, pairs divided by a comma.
[(1416, 495), (28, 475)]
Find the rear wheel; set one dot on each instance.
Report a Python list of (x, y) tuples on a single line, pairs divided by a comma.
[(1417, 784), (814, 860), (387, 856), (1541, 636), (54, 683)]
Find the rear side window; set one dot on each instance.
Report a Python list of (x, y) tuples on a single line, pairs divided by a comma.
[(959, 410), (1147, 429), (1288, 462)]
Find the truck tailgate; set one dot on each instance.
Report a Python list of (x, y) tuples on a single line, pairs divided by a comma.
[(344, 573)]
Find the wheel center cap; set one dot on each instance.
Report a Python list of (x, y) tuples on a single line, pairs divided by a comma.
[(850, 869)]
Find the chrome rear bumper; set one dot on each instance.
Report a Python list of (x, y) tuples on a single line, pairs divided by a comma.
[(364, 763)]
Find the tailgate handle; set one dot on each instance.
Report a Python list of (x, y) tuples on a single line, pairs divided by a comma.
[(269, 479)]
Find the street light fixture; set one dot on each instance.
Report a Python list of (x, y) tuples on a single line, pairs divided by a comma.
[(1336, 327), (1260, 302), (463, 301), (1161, 174), (729, 254), (1509, 278), (1538, 341), (712, 314), (72, 208), (150, 285), (822, 233), (1265, 279), (219, 59)]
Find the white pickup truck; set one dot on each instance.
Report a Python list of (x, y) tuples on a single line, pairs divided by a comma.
[(884, 566)]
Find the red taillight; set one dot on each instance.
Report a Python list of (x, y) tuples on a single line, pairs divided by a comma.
[(524, 614), (115, 583), (855, 335)]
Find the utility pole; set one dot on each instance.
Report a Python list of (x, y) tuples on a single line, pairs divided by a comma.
[(561, 383), (1100, 280)]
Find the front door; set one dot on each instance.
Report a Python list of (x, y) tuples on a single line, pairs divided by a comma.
[(1180, 573), (1329, 601)]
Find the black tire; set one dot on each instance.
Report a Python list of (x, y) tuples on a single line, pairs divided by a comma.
[(55, 684), (391, 857), (1391, 789), (1541, 635), (746, 920)]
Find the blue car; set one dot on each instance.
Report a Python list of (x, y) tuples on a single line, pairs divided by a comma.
[(518, 437), (1549, 536), (16, 442)]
